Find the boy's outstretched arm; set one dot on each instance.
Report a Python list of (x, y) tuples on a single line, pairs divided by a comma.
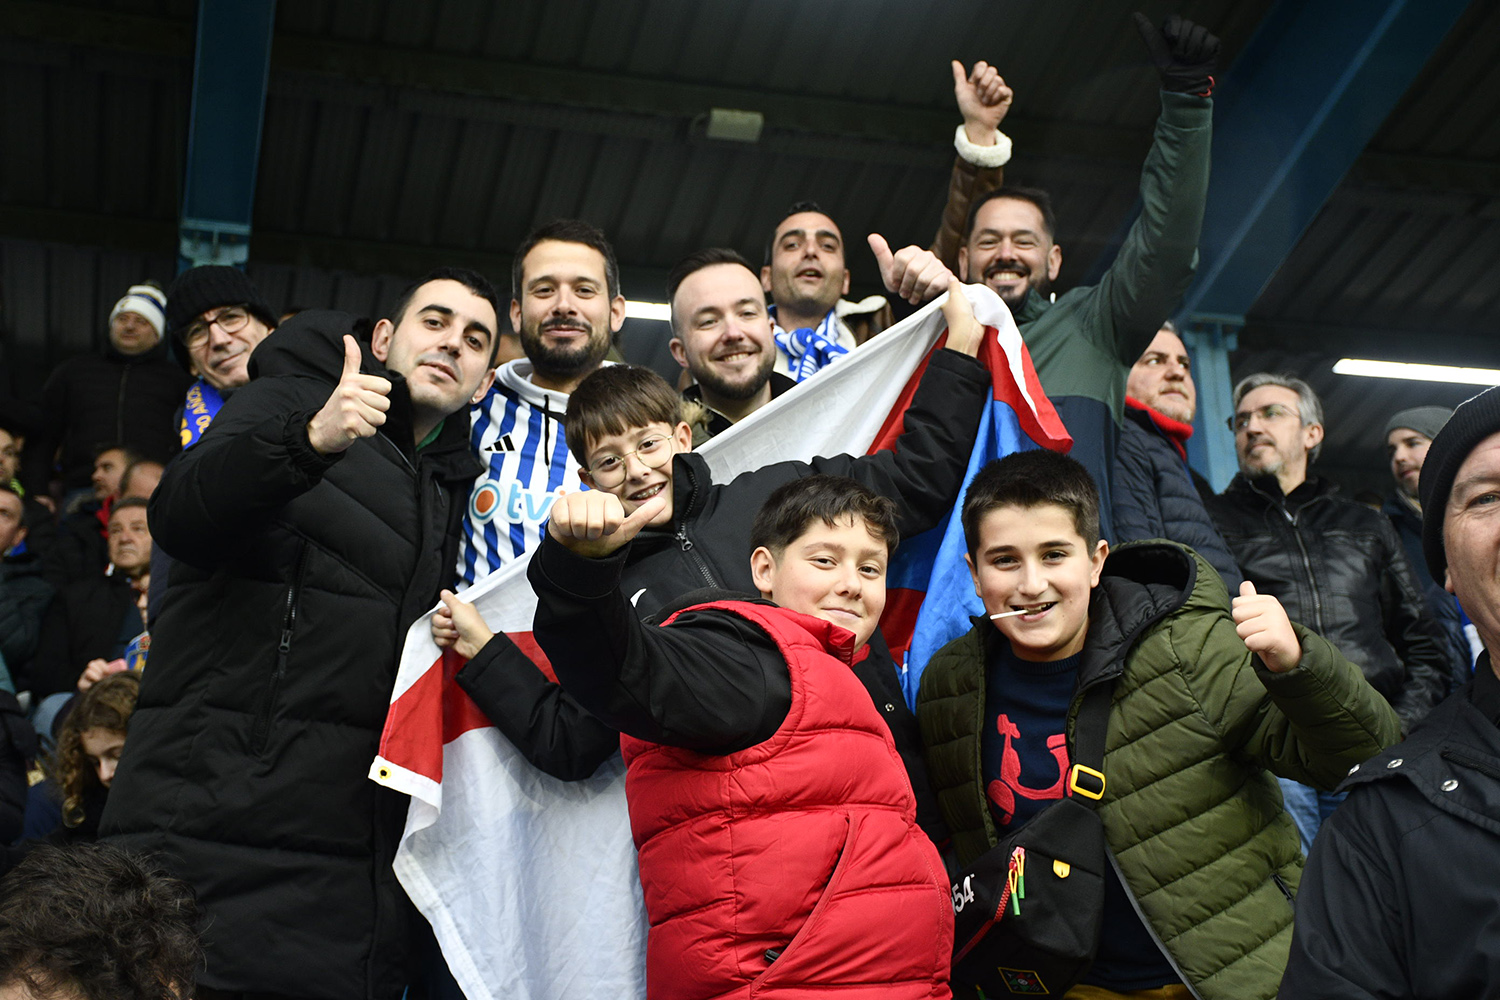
[(924, 469), (712, 682), (548, 727), (1283, 695)]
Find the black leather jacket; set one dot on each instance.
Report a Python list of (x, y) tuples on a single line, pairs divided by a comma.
[(1338, 568)]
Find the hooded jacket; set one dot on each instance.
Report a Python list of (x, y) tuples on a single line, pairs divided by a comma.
[(1192, 813), (272, 662), (94, 400), (1399, 899), (1337, 567)]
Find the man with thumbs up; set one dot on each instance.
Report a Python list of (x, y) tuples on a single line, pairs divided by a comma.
[(314, 522)]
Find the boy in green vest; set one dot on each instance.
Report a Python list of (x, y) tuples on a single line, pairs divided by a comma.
[(1207, 702)]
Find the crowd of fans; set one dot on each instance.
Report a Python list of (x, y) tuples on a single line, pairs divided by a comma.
[(216, 531)]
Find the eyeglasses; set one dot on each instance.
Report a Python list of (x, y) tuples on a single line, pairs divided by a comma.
[(653, 452), (1267, 413), (231, 319)]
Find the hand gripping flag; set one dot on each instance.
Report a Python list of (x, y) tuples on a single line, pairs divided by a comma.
[(529, 882)]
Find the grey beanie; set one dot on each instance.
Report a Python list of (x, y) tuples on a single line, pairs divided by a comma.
[(1425, 420)]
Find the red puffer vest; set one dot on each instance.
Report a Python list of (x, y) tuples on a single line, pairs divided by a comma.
[(804, 847)]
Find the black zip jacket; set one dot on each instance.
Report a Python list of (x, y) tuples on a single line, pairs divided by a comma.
[(86, 621), (1398, 899), (271, 668), (1338, 568), (94, 400), (708, 546)]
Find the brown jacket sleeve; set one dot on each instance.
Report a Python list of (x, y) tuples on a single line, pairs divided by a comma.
[(968, 184)]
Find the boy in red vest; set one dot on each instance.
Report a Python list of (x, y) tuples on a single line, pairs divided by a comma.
[(779, 851)]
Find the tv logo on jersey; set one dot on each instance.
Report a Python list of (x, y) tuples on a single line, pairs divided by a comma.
[(510, 503)]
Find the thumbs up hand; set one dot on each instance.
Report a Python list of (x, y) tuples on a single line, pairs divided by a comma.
[(1262, 624), (355, 410), (593, 523), (911, 272)]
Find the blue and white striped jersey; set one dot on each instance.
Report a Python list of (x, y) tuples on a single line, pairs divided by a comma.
[(517, 432)]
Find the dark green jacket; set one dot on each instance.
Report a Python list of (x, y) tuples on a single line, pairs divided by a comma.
[(1193, 817)]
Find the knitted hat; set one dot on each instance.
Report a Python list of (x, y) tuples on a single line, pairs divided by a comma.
[(1425, 420), (203, 288), (1473, 421), (148, 302)]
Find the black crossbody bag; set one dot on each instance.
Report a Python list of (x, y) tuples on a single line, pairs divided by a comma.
[(1027, 913)]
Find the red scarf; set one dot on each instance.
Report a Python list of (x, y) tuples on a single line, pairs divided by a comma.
[(1175, 431)]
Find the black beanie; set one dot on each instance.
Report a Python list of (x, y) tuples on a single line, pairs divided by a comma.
[(1473, 421), (203, 288)]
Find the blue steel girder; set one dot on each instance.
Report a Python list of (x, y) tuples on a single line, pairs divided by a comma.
[(231, 67), (1299, 105), (1211, 448)]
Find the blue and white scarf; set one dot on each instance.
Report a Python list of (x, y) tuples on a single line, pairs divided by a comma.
[(807, 350)]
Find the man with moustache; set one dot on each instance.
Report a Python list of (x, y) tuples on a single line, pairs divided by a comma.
[(312, 525), (1155, 494), (1336, 565), (566, 306), (1084, 341)]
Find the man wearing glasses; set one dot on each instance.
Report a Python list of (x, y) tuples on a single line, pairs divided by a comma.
[(218, 316), (1336, 565)]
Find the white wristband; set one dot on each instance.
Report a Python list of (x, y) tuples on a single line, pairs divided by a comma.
[(997, 155)]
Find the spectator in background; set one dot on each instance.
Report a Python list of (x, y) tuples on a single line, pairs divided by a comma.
[(125, 395), (218, 316), (721, 333), (92, 621), (91, 921), (566, 305), (1408, 435), (80, 550), (1336, 565), (65, 807), (24, 595), (1155, 493), (17, 420), (1399, 896)]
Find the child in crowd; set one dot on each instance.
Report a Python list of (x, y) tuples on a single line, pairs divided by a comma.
[(66, 806), (625, 426), (1207, 703), (776, 828)]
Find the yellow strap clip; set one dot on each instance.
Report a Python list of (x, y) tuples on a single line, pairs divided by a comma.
[(1077, 789), (1061, 869)]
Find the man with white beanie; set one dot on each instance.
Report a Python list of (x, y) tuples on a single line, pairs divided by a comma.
[(125, 395)]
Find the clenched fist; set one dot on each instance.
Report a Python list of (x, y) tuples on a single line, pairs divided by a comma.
[(593, 523), (355, 410)]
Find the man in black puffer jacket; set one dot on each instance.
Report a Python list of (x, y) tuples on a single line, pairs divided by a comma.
[(1154, 492), (314, 521), (1336, 565)]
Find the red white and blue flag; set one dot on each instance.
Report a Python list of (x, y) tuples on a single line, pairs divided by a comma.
[(529, 882)]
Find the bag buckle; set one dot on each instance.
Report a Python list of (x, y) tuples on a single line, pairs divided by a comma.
[(1077, 789)]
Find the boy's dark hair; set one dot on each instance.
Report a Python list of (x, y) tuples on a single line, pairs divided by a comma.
[(1041, 199), (1030, 479), (128, 503), (791, 507), (472, 280), (93, 921), (615, 399), (796, 208), (567, 231), (698, 260)]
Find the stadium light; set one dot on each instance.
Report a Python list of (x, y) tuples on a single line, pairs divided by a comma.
[(648, 310), (1417, 372)]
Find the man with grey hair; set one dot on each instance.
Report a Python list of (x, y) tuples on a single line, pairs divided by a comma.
[(1407, 437), (1336, 565)]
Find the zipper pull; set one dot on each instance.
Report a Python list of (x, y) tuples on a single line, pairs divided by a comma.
[(684, 541), (286, 641)]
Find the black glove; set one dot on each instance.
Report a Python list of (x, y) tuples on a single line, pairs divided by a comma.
[(1185, 53)]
